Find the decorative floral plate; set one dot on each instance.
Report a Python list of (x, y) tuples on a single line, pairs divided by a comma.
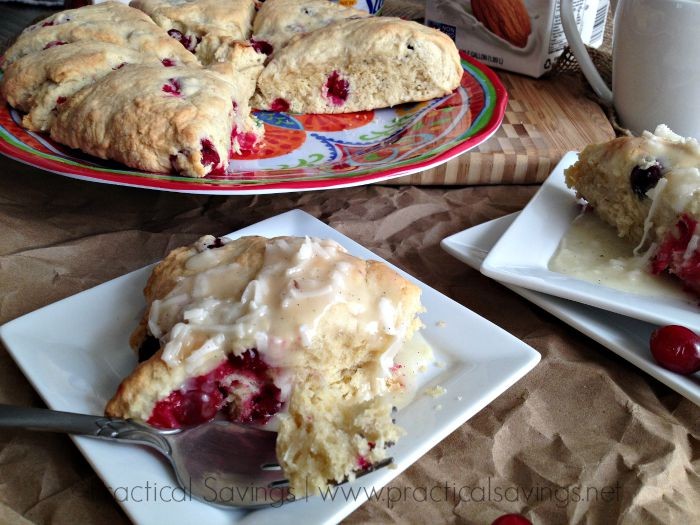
[(307, 152)]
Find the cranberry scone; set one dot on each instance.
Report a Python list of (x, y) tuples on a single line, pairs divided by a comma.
[(110, 22), (161, 119), (278, 21), (39, 82), (290, 332), (648, 188), (356, 65), (202, 26)]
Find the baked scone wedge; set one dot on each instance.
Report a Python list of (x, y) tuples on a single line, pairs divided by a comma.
[(39, 82), (278, 21), (161, 119), (356, 65), (111, 22), (648, 188), (288, 330), (211, 24)]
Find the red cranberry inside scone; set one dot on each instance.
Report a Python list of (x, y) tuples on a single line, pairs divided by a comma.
[(172, 87), (261, 46), (190, 42), (336, 89), (210, 157), (241, 386), (247, 140), (54, 44), (279, 104), (679, 253)]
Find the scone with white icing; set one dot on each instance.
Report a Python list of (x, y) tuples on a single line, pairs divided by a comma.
[(278, 21), (39, 82), (648, 188), (110, 22), (293, 331), (356, 65), (161, 119), (202, 26)]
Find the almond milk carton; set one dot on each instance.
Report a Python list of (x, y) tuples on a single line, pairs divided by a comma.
[(524, 36)]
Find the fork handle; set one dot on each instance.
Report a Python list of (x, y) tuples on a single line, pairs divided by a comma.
[(50, 420), (102, 427)]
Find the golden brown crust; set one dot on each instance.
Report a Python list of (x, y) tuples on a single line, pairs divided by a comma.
[(110, 22), (232, 18), (37, 83), (214, 23), (278, 21), (602, 176), (158, 119), (356, 65)]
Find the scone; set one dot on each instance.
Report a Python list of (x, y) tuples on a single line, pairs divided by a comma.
[(291, 329), (202, 26), (39, 82), (356, 65), (648, 188), (160, 119), (110, 22), (278, 21)]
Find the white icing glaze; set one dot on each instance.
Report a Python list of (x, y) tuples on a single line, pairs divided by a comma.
[(277, 312), (679, 188), (592, 251), (692, 247), (412, 359), (654, 194)]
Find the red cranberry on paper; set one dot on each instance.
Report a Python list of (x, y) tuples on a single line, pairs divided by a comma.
[(512, 519), (676, 348)]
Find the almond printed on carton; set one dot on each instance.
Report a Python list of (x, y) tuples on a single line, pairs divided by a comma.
[(506, 18), (524, 36)]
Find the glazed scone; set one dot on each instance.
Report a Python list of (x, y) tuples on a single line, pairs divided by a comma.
[(39, 82), (215, 23), (278, 21), (648, 188), (356, 65), (281, 327), (159, 119), (110, 22)]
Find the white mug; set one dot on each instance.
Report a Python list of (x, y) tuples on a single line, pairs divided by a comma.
[(656, 63)]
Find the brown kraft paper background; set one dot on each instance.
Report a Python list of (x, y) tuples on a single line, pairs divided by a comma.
[(582, 418)]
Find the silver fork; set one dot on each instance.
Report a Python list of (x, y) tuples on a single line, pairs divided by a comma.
[(219, 462)]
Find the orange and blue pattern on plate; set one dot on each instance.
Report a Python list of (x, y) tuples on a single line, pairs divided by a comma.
[(306, 152)]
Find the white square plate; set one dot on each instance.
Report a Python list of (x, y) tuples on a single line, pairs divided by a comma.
[(75, 353), (627, 337), (521, 257)]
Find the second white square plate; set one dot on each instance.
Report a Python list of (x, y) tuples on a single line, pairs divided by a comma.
[(75, 352), (627, 337), (521, 257)]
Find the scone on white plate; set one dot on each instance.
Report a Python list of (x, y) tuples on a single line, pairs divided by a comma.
[(356, 65), (289, 332), (202, 26), (160, 119), (648, 188), (278, 21), (110, 22)]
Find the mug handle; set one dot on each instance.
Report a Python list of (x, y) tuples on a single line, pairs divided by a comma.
[(568, 21)]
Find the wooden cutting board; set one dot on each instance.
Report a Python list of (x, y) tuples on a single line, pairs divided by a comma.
[(544, 119)]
